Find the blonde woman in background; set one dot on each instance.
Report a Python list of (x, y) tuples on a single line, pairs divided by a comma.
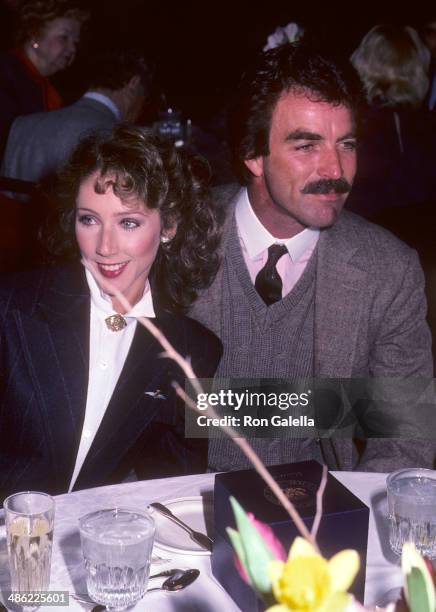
[(393, 64), (398, 139)]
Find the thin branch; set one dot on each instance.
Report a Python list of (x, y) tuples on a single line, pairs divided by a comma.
[(319, 498), (258, 465), (189, 372)]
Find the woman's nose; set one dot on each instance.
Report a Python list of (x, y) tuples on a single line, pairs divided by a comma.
[(107, 244)]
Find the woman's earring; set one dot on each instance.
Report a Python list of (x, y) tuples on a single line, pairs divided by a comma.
[(35, 45), (164, 239)]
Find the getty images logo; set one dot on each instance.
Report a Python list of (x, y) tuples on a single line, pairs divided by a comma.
[(252, 399)]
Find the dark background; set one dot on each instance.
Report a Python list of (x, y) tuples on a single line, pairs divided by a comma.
[(199, 48)]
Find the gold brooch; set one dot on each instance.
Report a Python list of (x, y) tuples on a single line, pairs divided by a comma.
[(116, 322)]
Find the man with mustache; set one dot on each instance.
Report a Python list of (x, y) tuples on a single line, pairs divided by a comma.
[(305, 289)]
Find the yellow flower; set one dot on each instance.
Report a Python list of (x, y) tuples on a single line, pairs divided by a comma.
[(309, 583)]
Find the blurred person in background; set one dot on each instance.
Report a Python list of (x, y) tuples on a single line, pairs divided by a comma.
[(47, 38), (39, 144), (397, 145)]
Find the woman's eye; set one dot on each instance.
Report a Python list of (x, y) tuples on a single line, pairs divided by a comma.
[(87, 220), (129, 224)]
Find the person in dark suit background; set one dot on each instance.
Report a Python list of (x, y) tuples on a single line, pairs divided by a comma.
[(39, 144), (85, 394)]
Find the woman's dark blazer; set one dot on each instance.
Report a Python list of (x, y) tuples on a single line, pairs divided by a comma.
[(44, 357)]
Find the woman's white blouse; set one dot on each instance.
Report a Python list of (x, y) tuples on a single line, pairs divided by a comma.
[(107, 354)]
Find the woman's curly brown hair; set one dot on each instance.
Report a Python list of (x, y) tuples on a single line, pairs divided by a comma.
[(35, 14), (137, 165)]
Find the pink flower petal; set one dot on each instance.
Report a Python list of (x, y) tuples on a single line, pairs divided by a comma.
[(267, 534), (241, 570)]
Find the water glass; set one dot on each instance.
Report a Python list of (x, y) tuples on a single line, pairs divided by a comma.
[(412, 510), (117, 544), (29, 520)]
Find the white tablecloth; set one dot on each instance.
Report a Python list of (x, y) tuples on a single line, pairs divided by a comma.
[(204, 595)]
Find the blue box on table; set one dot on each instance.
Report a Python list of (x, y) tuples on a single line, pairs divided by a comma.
[(344, 523)]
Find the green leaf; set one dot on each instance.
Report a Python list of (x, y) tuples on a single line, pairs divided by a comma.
[(411, 559), (235, 539), (257, 553), (418, 597)]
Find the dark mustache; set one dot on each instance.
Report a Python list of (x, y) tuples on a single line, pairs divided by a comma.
[(339, 185)]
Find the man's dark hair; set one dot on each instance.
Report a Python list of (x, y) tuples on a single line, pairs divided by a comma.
[(295, 67), (113, 68)]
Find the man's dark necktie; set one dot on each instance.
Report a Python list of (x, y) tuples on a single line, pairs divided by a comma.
[(268, 282)]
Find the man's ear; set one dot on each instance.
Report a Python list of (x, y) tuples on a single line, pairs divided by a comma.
[(255, 165), (132, 98)]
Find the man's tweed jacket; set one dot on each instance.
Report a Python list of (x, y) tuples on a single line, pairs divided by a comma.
[(370, 321)]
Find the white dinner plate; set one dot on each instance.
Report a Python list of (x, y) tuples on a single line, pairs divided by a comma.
[(195, 512)]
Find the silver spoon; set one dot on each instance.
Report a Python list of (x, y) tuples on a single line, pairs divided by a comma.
[(178, 582), (173, 583)]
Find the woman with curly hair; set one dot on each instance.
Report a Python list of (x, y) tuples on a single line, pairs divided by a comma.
[(46, 42), (85, 394)]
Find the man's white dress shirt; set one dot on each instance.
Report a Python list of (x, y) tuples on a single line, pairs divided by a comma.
[(255, 240)]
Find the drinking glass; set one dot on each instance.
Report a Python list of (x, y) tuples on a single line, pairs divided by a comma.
[(29, 520), (117, 544), (412, 510)]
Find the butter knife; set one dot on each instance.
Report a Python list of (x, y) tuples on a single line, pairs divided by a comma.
[(200, 538)]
